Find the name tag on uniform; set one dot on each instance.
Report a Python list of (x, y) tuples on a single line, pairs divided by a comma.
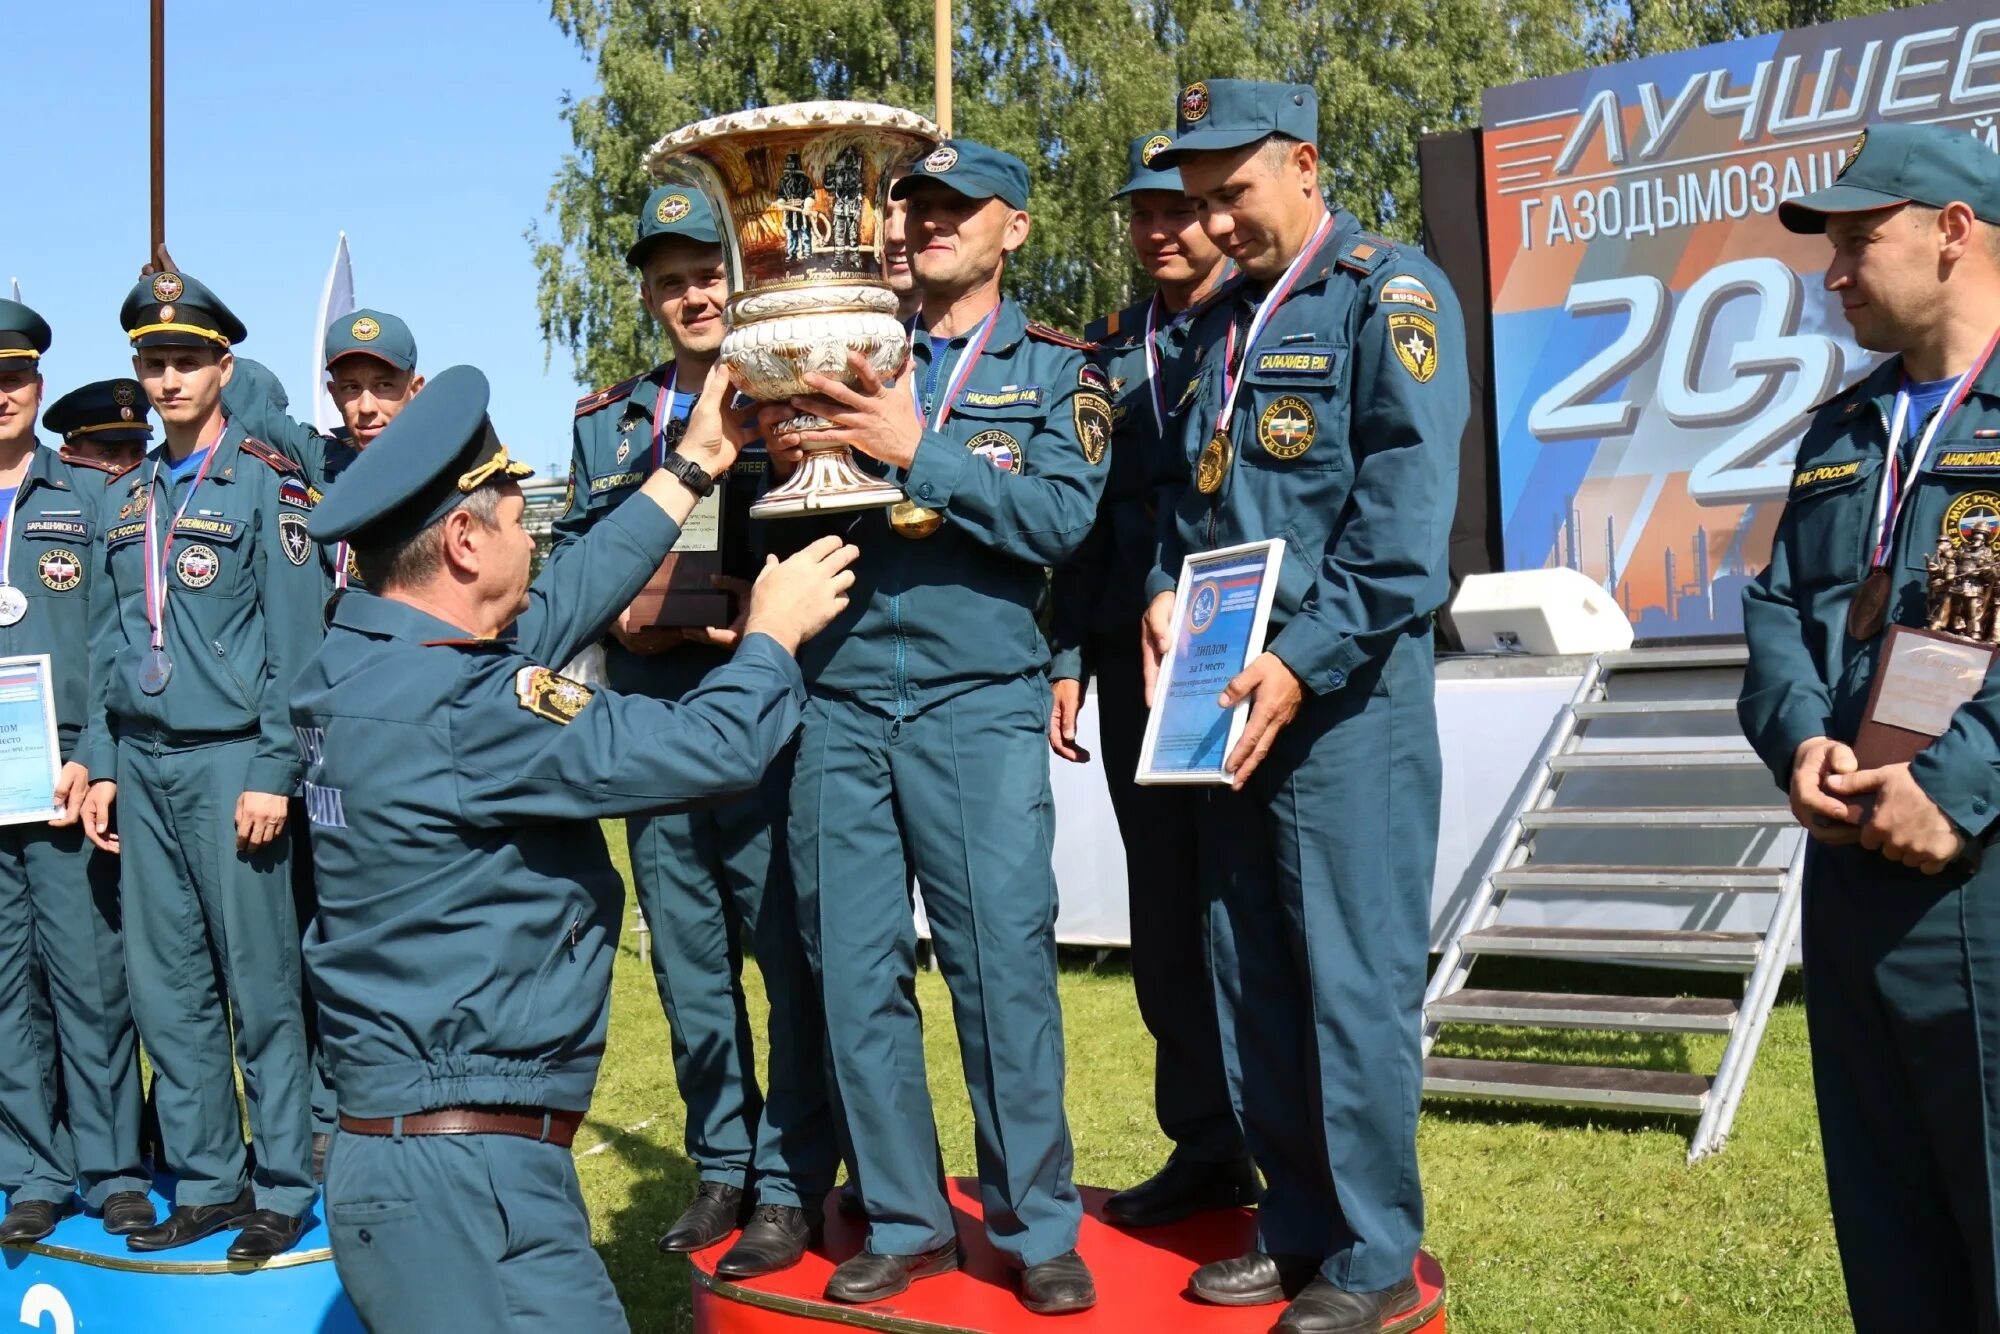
[(222, 530), (1967, 460), (76, 530), (615, 481), (124, 532), (1026, 395), (1825, 474)]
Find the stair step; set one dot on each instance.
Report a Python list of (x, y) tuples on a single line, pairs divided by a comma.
[(1574, 1085), (1554, 1009), (1644, 817), (1625, 708), (1667, 659), (1643, 879), (1745, 759), (1587, 942)]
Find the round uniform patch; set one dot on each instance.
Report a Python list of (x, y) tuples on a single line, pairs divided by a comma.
[(672, 209), (197, 565), (1287, 427), (364, 330), (123, 396), (1973, 510), (60, 569), (1194, 102), (167, 287), (1205, 601), (998, 448), (1853, 154), (943, 158), (1155, 146)]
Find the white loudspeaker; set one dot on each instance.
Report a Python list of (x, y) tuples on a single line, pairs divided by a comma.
[(1538, 611)]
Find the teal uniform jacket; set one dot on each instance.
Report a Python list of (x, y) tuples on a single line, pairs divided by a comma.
[(1099, 593), (1016, 474), (244, 594), (479, 973), (322, 456)]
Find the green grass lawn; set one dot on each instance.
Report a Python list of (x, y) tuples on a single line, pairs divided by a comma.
[(1544, 1219)]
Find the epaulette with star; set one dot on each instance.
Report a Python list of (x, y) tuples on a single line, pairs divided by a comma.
[(1365, 253), (606, 396), (257, 449), (1047, 334)]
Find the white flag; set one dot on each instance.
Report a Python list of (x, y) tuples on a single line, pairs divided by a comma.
[(336, 300)]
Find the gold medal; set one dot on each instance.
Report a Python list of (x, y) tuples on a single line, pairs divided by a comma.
[(1213, 465), (913, 521)]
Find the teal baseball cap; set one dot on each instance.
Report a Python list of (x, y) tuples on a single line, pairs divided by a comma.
[(109, 410), (1904, 164), (1145, 173), (371, 333), (24, 335), (438, 450), (1220, 114), (673, 210), (178, 310), (975, 170), (253, 380)]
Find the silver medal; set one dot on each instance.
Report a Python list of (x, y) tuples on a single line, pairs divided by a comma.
[(13, 604)]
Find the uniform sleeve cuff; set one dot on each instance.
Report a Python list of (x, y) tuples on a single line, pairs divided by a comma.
[(1066, 665), (936, 470), (1963, 789), (1321, 659), (276, 776), (1158, 582)]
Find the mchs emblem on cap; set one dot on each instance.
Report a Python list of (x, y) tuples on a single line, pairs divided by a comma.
[(672, 209), (1853, 155), (944, 158), (1155, 146), (1194, 102), (365, 330), (167, 287), (123, 396)]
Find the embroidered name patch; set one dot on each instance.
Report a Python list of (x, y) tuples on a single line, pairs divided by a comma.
[(222, 530), (1294, 363), (1962, 460), (1824, 473), (1029, 395), (124, 532), (76, 530), (613, 481)]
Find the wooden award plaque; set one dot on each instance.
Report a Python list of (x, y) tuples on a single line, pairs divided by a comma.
[(715, 540), (1923, 676)]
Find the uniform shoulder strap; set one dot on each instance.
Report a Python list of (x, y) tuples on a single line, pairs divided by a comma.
[(1047, 334), (112, 467), (605, 397), (1365, 253), (257, 449)]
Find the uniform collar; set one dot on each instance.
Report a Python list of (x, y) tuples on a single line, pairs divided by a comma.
[(1010, 327), (226, 451), (46, 467), (647, 404), (385, 618)]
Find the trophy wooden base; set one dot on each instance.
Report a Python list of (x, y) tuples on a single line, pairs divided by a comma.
[(679, 596), (1921, 679)]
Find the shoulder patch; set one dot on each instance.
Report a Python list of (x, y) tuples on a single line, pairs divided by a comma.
[(257, 449), (1406, 289), (549, 695), (616, 393), (1048, 334), (1093, 425)]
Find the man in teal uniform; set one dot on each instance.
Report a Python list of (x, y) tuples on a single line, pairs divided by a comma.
[(69, 1066), (714, 878), (925, 741), (462, 952), (210, 604), (1098, 596), (1325, 411), (1901, 921)]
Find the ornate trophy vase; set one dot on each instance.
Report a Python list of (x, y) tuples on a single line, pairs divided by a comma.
[(803, 188)]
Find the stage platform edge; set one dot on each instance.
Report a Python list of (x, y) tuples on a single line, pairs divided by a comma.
[(1141, 1284)]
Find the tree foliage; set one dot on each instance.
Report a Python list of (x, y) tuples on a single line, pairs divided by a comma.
[(1065, 84)]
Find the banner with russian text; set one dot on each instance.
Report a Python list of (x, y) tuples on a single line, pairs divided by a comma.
[(1659, 340)]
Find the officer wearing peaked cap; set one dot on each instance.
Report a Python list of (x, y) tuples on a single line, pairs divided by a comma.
[(1901, 914), (468, 915), (1096, 597), (69, 1109), (713, 879), (1328, 397), (210, 605)]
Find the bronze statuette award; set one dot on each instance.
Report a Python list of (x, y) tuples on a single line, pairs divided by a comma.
[(1923, 676)]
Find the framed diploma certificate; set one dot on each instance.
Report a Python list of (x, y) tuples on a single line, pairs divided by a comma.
[(30, 751), (1221, 610)]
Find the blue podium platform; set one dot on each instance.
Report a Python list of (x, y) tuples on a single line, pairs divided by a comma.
[(78, 1279)]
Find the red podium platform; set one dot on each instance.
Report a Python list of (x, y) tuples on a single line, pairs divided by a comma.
[(1141, 1284)]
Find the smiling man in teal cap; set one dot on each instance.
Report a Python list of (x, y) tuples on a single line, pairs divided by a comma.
[(1324, 409), (468, 911), (1901, 916)]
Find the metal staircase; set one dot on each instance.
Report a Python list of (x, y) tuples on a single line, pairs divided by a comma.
[(1645, 760)]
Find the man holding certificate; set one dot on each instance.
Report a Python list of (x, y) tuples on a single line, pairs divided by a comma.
[(70, 1122), (1325, 411), (1897, 476)]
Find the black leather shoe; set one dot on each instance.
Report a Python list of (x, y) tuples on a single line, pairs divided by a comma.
[(716, 1211), (266, 1233), (1058, 1286), (190, 1223), (127, 1212), (31, 1220), (1322, 1308), (320, 1145), (1182, 1188), (851, 1204), (868, 1277), (775, 1238), (1255, 1279)]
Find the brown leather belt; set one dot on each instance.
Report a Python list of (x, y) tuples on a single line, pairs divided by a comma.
[(539, 1123)]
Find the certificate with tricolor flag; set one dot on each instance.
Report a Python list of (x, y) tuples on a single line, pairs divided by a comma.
[(30, 753), (1221, 611)]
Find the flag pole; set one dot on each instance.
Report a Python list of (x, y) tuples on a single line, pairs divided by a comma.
[(941, 24), (159, 119)]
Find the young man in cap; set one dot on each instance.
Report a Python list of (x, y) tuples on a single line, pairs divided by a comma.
[(715, 878), (1097, 597), (1325, 413), (468, 914), (924, 746), (211, 606), (1901, 924), (69, 1100)]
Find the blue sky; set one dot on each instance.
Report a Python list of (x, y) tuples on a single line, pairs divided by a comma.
[(427, 129)]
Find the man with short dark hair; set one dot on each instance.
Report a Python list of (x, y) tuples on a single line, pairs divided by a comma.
[(1900, 919)]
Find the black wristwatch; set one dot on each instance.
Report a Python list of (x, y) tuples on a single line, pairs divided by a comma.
[(693, 476)]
